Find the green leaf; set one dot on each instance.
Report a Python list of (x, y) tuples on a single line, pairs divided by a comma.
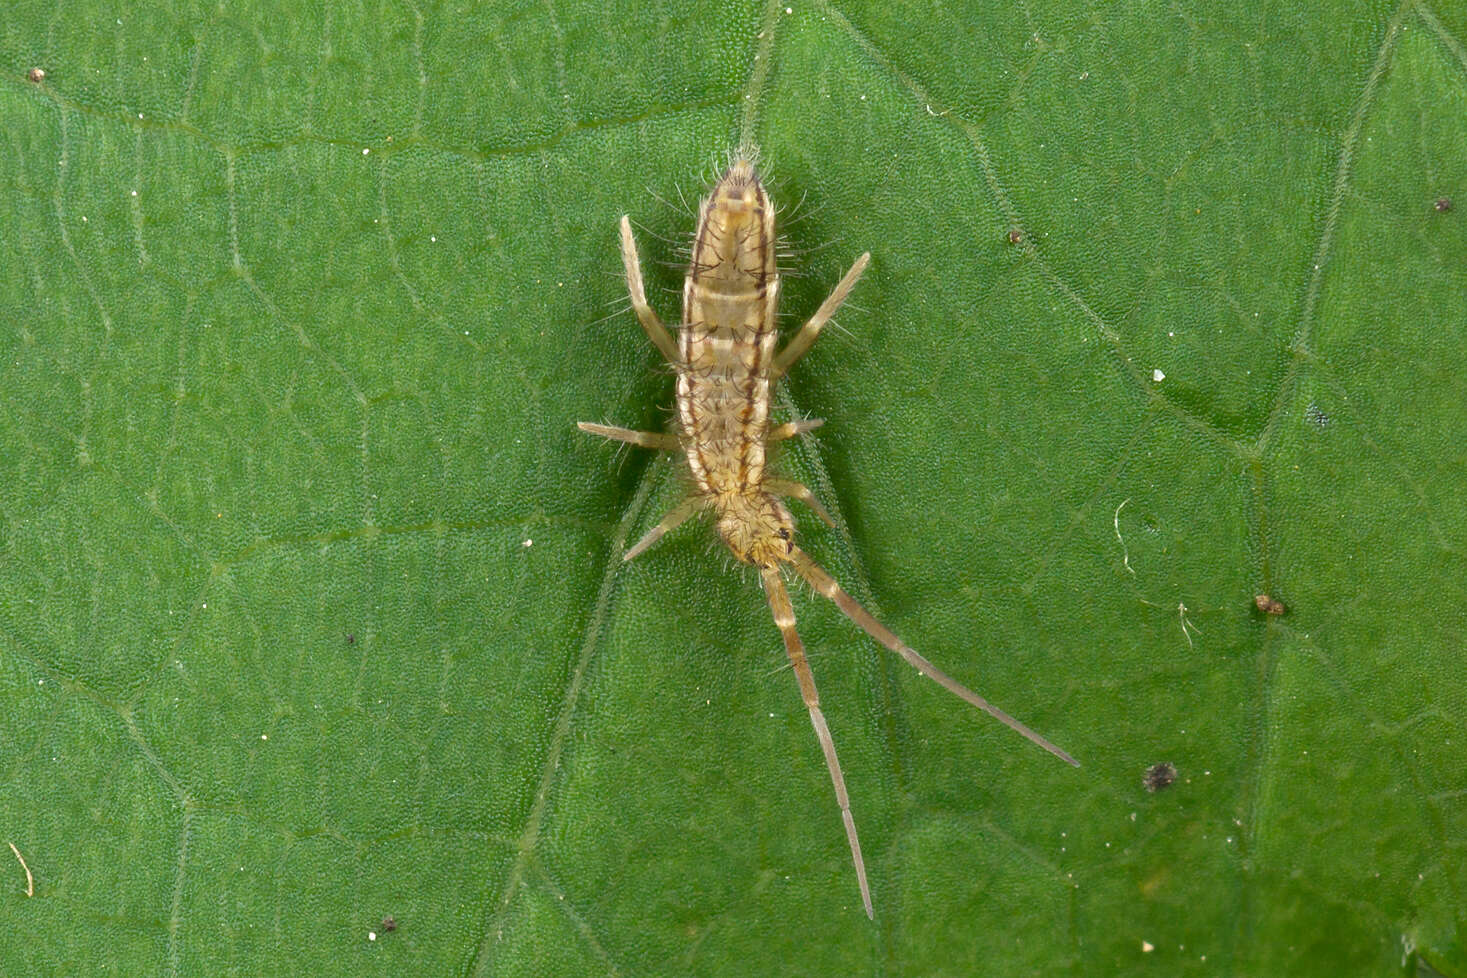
[(312, 609)]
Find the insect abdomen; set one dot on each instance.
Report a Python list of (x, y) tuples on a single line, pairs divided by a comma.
[(728, 336)]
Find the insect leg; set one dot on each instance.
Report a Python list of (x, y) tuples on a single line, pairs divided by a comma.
[(805, 338), (656, 332), (785, 487), (791, 428), (784, 617), (643, 439), (827, 586), (675, 517)]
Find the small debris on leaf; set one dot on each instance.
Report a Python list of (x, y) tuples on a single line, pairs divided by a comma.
[(1442, 205), (1269, 605), (38, 75), (1159, 776), (1015, 235), (389, 924), (30, 881)]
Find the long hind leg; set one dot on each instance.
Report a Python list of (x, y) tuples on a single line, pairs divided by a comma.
[(805, 338), (826, 585), (646, 315), (784, 617)]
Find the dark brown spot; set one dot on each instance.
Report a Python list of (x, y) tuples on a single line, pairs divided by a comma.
[(1443, 204), (1269, 605), (1015, 235), (36, 76), (389, 924), (1159, 776), (351, 639)]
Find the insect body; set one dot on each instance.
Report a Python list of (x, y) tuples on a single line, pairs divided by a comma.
[(727, 367)]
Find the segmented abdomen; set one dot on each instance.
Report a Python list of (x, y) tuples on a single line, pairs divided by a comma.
[(728, 336)]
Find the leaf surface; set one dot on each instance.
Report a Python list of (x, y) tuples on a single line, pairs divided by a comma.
[(311, 604)]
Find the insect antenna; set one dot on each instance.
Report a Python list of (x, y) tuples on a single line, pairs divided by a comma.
[(826, 585), (784, 617)]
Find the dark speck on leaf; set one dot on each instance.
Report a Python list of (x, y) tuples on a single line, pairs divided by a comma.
[(351, 640), (1015, 236), (38, 75), (1159, 776), (1443, 204), (389, 924), (1269, 605)]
